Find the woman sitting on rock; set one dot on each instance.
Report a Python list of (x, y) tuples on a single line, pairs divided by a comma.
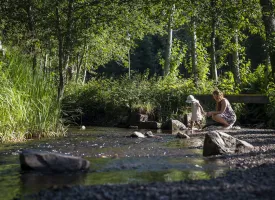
[(224, 113)]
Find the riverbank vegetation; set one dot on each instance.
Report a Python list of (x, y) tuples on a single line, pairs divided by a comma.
[(106, 101), (28, 106), (73, 61)]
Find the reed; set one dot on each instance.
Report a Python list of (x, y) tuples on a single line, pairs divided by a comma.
[(28, 103)]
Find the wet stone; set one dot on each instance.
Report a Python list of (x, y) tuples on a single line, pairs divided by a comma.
[(51, 162)]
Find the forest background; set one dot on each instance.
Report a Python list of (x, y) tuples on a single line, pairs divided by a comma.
[(93, 62)]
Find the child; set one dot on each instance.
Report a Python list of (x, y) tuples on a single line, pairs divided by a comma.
[(197, 111)]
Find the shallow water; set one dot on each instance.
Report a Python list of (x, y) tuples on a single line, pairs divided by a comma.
[(114, 158)]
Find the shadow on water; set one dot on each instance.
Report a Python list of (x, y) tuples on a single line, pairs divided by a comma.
[(114, 158)]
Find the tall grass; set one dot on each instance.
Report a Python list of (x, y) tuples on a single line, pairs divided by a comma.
[(28, 103)]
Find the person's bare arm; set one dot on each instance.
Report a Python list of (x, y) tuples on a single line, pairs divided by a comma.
[(201, 108), (217, 106), (223, 106), (223, 102)]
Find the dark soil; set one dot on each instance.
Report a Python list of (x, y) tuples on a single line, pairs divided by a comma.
[(252, 177)]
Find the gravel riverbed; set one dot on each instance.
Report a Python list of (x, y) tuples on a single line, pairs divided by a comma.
[(252, 177)]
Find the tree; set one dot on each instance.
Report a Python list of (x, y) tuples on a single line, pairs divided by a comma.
[(230, 24), (81, 33), (169, 41), (194, 50), (269, 23), (214, 19)]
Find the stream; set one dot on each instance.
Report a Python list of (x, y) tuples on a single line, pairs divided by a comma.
[(114, 159)]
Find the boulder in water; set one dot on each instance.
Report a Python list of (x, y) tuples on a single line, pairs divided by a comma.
[(51, 162)]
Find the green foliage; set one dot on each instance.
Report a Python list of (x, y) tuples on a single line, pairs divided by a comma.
[(254, 82), (105, 101), (144, 108), (271, 106), (203, 62), (87, 34), (227, 85), (28, 104), (178, 52)]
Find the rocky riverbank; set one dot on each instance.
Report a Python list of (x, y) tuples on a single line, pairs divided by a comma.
[(252, 177)]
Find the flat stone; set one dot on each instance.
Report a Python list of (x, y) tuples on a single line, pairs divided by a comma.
[(51, 162), (137, 134)]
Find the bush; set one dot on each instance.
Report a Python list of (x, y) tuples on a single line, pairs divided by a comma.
[(105, 101)]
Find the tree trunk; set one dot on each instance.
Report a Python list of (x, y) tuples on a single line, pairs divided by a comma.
[(85, 72), (68, 70), (129, 63), (194, 52), (169, 43), (236, 60), (60, 54), (78, 66), (45, 67), (68, 42), (266, 71), (269, 23), (80, 60), (214, 72), (64, 49), (31, 27)]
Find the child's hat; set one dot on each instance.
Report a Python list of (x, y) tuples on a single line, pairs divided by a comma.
[(191, 99)]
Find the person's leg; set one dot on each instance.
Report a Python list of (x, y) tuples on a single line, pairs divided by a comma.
[(198, 123), (192, 124), (219, 119)]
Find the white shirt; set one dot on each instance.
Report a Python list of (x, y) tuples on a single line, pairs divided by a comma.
[(196, 111)]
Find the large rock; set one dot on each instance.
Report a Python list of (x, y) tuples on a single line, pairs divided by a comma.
[(51, 162), (149, 125), (123, 122), (136, 118), (217, 143), (173, 125), (243, 146)]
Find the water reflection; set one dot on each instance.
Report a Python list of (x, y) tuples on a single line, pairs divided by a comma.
[(177, 175), (34, 182)]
